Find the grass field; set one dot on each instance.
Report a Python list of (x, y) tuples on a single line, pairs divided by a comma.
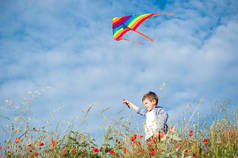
[(200, 138)]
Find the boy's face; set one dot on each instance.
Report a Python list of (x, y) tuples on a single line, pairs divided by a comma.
[(149, 104)]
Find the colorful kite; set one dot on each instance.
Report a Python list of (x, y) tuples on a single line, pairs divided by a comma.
[(121, 25)]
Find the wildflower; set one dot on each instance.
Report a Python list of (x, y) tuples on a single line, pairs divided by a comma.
[(73, 151), (20, 147), (161, 135), (137, 142), (154, 139), (152, 153), (190, 131), (185, 151), (148, 143), (96, 150), (179, 146), (64, 150), (133, 137), (205, 140), (152, 149), (125, 150), (31, 147), (194, 156), (36, 153), (53, 143), (41, 143), (140, 150), (190, 134), (229, 133), (17, 140), (111, 151), (171, 129), (34, 129), (226, 124), (0, 147), (140, 136), (118, 141)]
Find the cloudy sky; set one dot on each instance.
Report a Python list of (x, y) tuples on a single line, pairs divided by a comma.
[(64, 50)]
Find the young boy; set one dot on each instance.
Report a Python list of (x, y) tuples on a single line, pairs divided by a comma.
[(156, 116)]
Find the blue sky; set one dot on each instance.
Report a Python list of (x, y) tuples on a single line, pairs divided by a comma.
[(68, 46)]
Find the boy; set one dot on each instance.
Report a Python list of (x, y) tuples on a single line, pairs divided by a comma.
[(156, 117)]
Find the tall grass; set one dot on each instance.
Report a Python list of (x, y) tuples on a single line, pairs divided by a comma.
[(216, 137)]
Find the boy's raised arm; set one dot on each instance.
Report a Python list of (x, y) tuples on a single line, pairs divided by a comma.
[(130, 104)]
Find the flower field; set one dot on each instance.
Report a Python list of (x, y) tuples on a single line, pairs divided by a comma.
[(216, 138)]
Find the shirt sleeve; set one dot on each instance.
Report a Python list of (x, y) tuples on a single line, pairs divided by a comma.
[(141, 111), (162, 117)]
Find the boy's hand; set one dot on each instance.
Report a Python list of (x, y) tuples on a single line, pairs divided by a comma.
[(126, 102)]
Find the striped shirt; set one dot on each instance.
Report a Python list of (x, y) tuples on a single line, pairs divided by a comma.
[(156, 119)]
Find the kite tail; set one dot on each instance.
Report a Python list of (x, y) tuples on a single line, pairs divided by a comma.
[(163, 13), (130, 40), (143, 35)]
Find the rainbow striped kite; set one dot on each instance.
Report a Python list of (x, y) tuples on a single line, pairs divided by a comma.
[(121, 25)]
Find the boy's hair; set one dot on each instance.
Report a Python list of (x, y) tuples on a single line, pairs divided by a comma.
[(150, 95)]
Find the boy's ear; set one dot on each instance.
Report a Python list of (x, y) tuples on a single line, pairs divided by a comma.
[(153, 101)]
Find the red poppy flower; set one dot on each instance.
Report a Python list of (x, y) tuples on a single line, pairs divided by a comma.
[(148, 143), (17, 140), (229, 133), (133, 137), (194, 156), (64, 150), (96, 150), (125, 150), (171, 128), (190, 134), (152, 153), (137, 142), (161, 135), (41, 143), (140, 136), (36, 153), (111, 151), (154, 139), (140, 150), (179, 146), (152, 149), (53, 143), (205, 140), (185, 151), (0, 147), (190, 131)]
